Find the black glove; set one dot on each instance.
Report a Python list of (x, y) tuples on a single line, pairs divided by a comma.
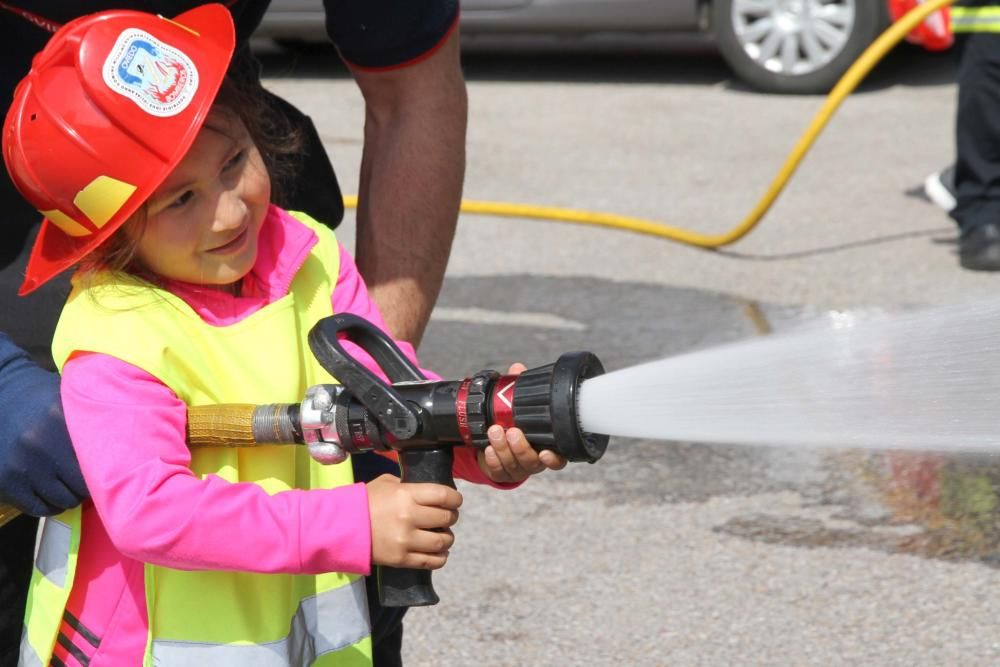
[(39, 473)]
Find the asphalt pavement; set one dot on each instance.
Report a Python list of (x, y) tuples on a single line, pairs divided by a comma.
[(667, 553)]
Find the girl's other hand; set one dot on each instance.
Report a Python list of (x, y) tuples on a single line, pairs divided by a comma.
[(411, 522), (510, 457)]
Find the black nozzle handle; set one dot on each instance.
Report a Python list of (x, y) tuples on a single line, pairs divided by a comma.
[(385, 402), (403, 587)]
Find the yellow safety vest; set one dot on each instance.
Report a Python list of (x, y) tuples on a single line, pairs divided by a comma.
[(975, 19), (202, 618)]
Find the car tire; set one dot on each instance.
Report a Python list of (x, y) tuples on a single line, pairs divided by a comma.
[(870, 17)]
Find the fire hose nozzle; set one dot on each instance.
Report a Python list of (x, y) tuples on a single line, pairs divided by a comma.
[(411, 412), (424, 419), (545, 406)]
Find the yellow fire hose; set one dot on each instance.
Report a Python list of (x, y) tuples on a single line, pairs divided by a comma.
[(857, 72)]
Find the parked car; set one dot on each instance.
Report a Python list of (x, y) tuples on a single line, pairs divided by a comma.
[(783, 46)]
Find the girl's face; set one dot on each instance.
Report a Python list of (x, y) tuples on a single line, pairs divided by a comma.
[(202, 223)]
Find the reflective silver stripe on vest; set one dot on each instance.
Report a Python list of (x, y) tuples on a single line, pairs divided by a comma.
[(53, 551), (975, 19), (28, 657), (323, 623)]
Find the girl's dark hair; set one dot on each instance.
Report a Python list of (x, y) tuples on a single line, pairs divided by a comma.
[(267, 119), (276, 137)]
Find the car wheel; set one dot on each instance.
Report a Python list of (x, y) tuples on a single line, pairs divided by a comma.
[(795, 46)]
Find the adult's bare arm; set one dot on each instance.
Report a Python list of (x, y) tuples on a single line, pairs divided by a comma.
[(410, 186)]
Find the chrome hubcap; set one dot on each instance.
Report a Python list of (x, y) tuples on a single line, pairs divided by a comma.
[(793, 37)]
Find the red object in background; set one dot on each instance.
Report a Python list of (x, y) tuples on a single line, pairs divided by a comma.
[(934, 33)]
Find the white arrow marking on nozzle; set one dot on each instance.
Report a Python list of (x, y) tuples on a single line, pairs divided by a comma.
[(500, 394)]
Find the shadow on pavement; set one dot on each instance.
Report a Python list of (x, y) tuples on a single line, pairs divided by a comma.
[(938, 235)]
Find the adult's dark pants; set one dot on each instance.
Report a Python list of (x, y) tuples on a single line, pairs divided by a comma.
[(31, 321), (977, 131)]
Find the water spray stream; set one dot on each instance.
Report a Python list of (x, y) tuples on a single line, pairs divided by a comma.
[(927, 380)]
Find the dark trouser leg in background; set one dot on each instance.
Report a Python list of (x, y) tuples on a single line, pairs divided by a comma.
[(977, 138)]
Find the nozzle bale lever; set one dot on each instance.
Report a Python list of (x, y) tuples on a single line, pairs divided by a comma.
[(421, 419)]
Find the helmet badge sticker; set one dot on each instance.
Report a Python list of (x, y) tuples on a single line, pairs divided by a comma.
[(159, 78)]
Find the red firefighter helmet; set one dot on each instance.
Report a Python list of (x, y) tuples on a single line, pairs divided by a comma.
[(934, 32), (111, 105)]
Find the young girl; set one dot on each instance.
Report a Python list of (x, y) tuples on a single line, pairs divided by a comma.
[(194, 289)]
